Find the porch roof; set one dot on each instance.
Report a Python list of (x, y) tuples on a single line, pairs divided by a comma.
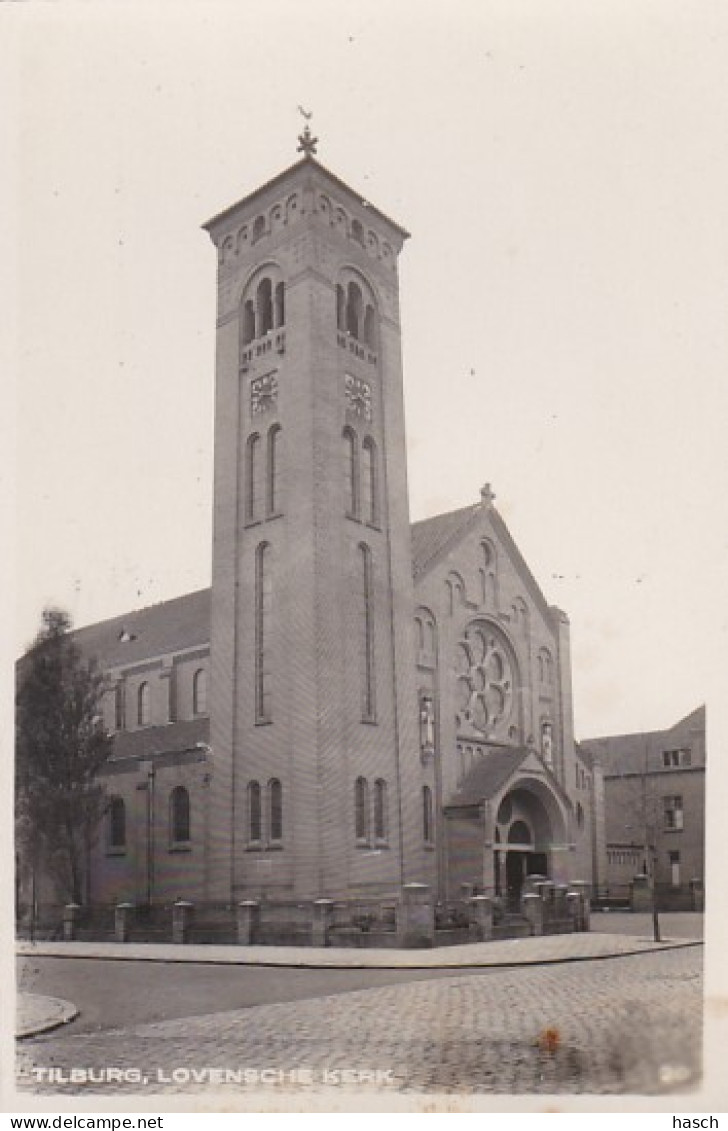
[(488, 776)]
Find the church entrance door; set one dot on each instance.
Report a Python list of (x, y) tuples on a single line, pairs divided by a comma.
[(515, 875)]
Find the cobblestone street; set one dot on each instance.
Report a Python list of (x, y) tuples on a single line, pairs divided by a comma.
[(629, 1024)]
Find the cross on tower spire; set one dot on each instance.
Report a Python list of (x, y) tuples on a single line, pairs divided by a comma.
[(306, 142)]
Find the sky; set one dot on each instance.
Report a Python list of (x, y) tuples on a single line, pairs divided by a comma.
[(563, 170)]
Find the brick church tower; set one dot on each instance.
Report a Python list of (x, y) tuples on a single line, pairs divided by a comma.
[(316, 787)]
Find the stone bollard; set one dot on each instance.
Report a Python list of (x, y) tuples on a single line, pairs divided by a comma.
[(122, 921), (697, 895), (181, 920), (573, 903), (248, 921), (533, 909), (584, 890), (481, 907), (71, 916), (640, 894), (415, 917), (323, 910)]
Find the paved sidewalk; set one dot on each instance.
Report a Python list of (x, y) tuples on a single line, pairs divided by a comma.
[(503, 952), (36, 1014)]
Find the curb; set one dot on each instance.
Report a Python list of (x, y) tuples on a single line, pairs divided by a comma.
[(300, 964), (59, 1013)]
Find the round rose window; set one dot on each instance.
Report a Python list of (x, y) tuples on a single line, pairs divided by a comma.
[(484, 692)]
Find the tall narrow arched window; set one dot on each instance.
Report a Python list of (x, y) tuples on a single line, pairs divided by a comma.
[(272, 487), (264, 306), (427, 823), (255, 824), (263, 597), (179, 815), (252, 478), (353, 309), (369, 485), (248, 321), (258, 228), (144, 705), (361, 810), (380, 810), (117, 823), (351, 473), (280, 305), (199, 692), (340, 308), (367, 634), (275, 810), (370, 327), (119, 707)]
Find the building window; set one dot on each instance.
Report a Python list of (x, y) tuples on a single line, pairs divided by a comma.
[(361, 810), (340, 308), (672, 759), (275, 810), (179, 815), (673, 810), (264, 304), (263, 599), (255, 831), (272, 490), (427, 823), (353, 309), (252, 492), (369, 484), (380, 810), (280, 305), (117, 823), (248, 322), (370, 332), (367, 634), (119, 707), (143, 705), (199, 692), (579, 815), (674, 869), (351, 474)]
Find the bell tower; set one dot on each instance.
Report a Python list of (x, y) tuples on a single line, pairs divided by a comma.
[(316, 786)]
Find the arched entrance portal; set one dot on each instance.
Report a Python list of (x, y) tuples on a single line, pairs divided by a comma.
[(524, 837)]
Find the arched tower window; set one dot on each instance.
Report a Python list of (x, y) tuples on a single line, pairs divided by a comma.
[(380, 810), (119, 707), (199, 692), (248, 321), (143, 705), (353, 309), (273, 501), (369, 485), (351, 473), (179, 815), (280, 306), (264, 304), (252, 476), (367, 634), (117, 823), (263, 597), (370, 328), (340, 308), (275, 810), (427, 817), (255, 830), (361, 810), (258, 228)]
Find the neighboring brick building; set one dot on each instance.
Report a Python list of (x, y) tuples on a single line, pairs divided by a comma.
[(654, 793), (356, 703)]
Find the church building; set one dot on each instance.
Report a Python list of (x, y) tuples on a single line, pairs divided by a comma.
[(356, 703)]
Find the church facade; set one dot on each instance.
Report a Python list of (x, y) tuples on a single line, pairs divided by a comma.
[(356, 703)]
